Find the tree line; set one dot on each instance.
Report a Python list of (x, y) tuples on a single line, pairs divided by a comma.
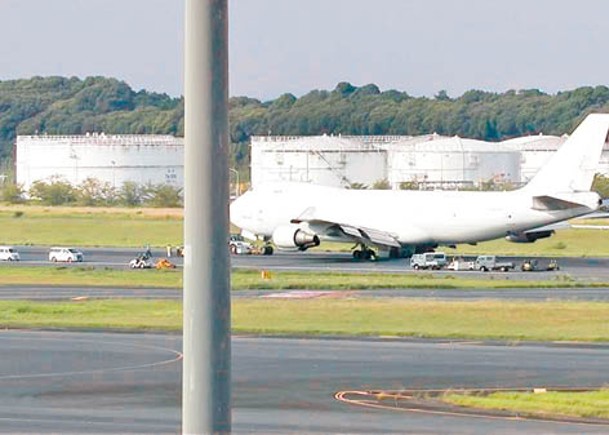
[(60, 105), (93, 193)]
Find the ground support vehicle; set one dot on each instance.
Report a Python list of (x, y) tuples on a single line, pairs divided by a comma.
[(533, 265), (428, 260), (140, 262), (529, 265), (460, 264), (484, 263), (164, 263), (65, 255), (262, 250), (8, 253)]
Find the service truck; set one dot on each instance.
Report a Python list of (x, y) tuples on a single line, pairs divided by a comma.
[(484, 263)]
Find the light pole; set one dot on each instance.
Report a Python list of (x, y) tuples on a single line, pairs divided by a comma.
[(206, 391), (238, 184), (113, 163)]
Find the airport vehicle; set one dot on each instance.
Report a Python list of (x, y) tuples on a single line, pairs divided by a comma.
[(140, 262), (460, 264), (533, 265), (164, 263), (484, 263), (68, 255), (238, 245), (298, 216), (8, 253), (428, 260)]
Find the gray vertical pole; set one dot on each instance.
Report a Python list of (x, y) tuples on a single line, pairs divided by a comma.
[(206, 375)]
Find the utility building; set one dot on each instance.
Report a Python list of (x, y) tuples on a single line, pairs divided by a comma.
[(115, 159)]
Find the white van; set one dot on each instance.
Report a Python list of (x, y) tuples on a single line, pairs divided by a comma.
[(428, 260), (8, 253), (65, 254)]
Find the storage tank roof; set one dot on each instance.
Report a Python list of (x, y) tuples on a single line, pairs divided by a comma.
[(535, 143), (318, 143), (440, 144), (103, 139)]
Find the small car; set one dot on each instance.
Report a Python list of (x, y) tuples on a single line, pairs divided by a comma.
[(238, 245), (68, 255), (8, 253)]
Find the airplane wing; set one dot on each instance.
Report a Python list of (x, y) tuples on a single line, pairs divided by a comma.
[(533, 234), (333, 228), (369, 236)]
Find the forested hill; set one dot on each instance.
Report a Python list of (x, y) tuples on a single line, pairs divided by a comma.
[(57, 105)]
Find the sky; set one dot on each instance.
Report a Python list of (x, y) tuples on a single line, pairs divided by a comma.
[(295, 46)]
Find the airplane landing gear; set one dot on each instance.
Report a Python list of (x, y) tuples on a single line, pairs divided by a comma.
[(365, 253)]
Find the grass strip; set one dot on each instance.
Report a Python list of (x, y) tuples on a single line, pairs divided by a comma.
[(90, 276), (99, 226), (252, 279), (546, 321), (592, 404)]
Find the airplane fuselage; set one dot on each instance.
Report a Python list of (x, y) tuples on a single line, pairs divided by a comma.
[(411, 217)]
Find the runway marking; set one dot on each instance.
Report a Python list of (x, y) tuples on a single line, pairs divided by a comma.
[(178, 356), (308, 294), (371, 399)]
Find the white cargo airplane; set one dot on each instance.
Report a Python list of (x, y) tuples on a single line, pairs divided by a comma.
[(300, 215)]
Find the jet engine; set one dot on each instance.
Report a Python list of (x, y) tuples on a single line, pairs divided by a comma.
[(528, 237), (293, 236)]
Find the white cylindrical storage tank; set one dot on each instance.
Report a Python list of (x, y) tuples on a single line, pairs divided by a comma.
[(535, 151), (326, 160), (451, 162), (113, 159)]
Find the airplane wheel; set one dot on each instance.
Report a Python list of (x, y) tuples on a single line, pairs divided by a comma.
[(357, 254), (268, 250)]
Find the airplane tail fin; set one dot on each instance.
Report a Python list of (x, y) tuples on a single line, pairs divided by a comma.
[(573, 166)]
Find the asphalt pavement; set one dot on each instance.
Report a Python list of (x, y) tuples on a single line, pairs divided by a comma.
[(68, 382)]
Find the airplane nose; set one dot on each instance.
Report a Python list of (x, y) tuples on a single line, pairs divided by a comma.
[(236, 211)]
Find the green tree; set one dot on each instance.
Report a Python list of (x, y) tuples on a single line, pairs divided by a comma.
[(13, 193), (130, 194), (55, 192), (601, 185), (92, 192), (164, 195), (381, 184)]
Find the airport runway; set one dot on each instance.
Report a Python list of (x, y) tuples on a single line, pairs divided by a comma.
[(592, 269), (55, 382), (68, 382)]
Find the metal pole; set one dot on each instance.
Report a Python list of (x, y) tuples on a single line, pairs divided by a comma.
[(237, 186), (206, 376)]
